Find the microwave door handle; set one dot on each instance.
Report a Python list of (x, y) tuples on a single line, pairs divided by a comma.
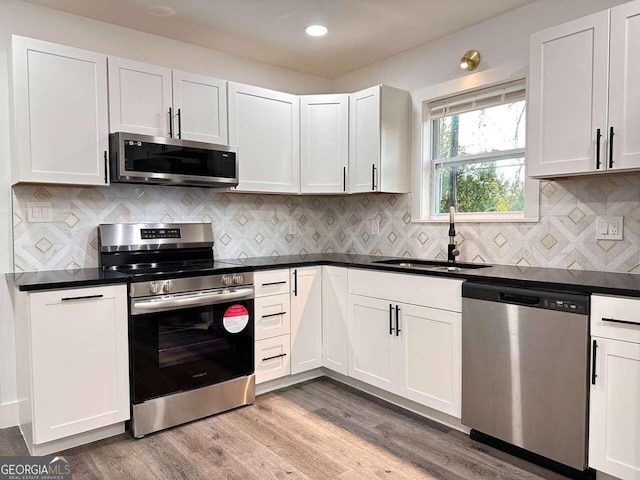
[(173, 303)]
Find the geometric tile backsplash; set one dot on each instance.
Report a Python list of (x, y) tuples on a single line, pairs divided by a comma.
[(258, 225)]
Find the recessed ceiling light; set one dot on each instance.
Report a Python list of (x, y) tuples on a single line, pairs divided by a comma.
[(316, 30), (161, 10)]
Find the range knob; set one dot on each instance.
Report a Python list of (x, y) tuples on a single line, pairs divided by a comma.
[(155, 288), (238, 279), (227, 280), (167, 287)]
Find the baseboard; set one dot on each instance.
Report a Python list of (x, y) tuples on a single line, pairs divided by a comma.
[(8, 414), (287, 381)]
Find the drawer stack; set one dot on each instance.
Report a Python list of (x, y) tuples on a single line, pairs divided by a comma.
[(272, 325)]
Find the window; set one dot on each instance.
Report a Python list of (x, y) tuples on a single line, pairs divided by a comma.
[(478, 151)]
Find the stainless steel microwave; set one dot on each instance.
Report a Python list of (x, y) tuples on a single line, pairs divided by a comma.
[(169, 161)]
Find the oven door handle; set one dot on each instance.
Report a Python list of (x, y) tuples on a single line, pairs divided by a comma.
[(139, 307)]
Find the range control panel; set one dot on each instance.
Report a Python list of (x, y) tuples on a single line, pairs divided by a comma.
[(155, 233), (564, 305)]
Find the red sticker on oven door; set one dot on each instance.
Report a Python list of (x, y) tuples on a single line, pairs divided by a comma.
[(235, 319)]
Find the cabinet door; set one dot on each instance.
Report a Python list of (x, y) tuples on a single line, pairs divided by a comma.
[(614, 445), (306, 319), (324, 143), (373, 348), (624, 86), (80, 360), (430, 357), (201, 107), (335, 341), (139, 98), (364, 140), (265, 126), (60, 111), (568, 97)]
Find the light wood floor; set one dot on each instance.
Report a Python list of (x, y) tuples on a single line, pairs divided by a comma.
[(316, 430)]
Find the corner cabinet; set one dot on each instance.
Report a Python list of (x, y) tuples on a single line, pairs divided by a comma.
[(335, 340), (614, 411), (324, 143), (60, 120), (73, 363), (379, 140), (265, 126), (584, 95), (306, 319)]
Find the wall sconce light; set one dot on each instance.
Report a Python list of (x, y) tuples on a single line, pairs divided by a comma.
[(470, 60)]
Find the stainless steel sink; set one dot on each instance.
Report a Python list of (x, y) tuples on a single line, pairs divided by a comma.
[(433, 265)]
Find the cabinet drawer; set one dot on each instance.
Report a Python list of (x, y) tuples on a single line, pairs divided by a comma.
[(273, 358), (271, 282), (434, 292), (615, 317), (272, 316)]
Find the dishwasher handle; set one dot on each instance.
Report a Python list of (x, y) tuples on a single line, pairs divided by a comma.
[(519, 298)]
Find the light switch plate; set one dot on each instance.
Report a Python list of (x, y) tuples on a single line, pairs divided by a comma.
[(39, 212), (375, 226), (293, 227), (609, 227)]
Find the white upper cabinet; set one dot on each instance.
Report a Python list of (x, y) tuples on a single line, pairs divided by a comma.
[(584, 95), (265, 126), (324, 143), (306, 319), (568, 98), (139, 98), (379, 140), (624, 86), (200, 105), (60, 113)]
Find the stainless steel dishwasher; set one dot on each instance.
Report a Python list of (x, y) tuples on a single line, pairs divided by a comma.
[(525, 362)]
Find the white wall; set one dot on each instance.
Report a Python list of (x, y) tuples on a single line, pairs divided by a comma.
[(30, 20), (502, 40)]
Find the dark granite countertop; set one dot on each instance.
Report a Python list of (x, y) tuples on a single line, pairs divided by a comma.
[(59, 279), (624, 284)]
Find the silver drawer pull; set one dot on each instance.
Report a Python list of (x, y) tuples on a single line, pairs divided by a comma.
[(86, 297), (270, 284), (274, 314), (275, 356), (625, 322)]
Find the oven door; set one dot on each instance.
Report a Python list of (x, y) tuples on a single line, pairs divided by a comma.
[(160, 160), (196, 340)]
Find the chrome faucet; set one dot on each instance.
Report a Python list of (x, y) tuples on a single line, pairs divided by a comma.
[(452, 248)]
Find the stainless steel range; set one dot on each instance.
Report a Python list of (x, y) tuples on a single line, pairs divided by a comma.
[(191, 331)]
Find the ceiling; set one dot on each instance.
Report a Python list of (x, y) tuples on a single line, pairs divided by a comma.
[(361, 32)]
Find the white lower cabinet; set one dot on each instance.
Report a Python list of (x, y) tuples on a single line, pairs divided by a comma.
[(335, 341), (614, 440), (430, 357), (413, 351), (373, 349), (273, 358), (614, 409), (306, 319), (78, 362)]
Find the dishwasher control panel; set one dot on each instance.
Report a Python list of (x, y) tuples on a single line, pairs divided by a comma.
[(564, 305)]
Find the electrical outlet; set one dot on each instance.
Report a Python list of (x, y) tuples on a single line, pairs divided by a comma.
[(375, 226), (609, 228), (39, 212), (293, 227)]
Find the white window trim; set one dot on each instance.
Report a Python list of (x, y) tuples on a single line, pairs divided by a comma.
[(422, 168)]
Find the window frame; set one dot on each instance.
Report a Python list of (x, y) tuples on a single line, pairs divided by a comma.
[(423, 198)]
